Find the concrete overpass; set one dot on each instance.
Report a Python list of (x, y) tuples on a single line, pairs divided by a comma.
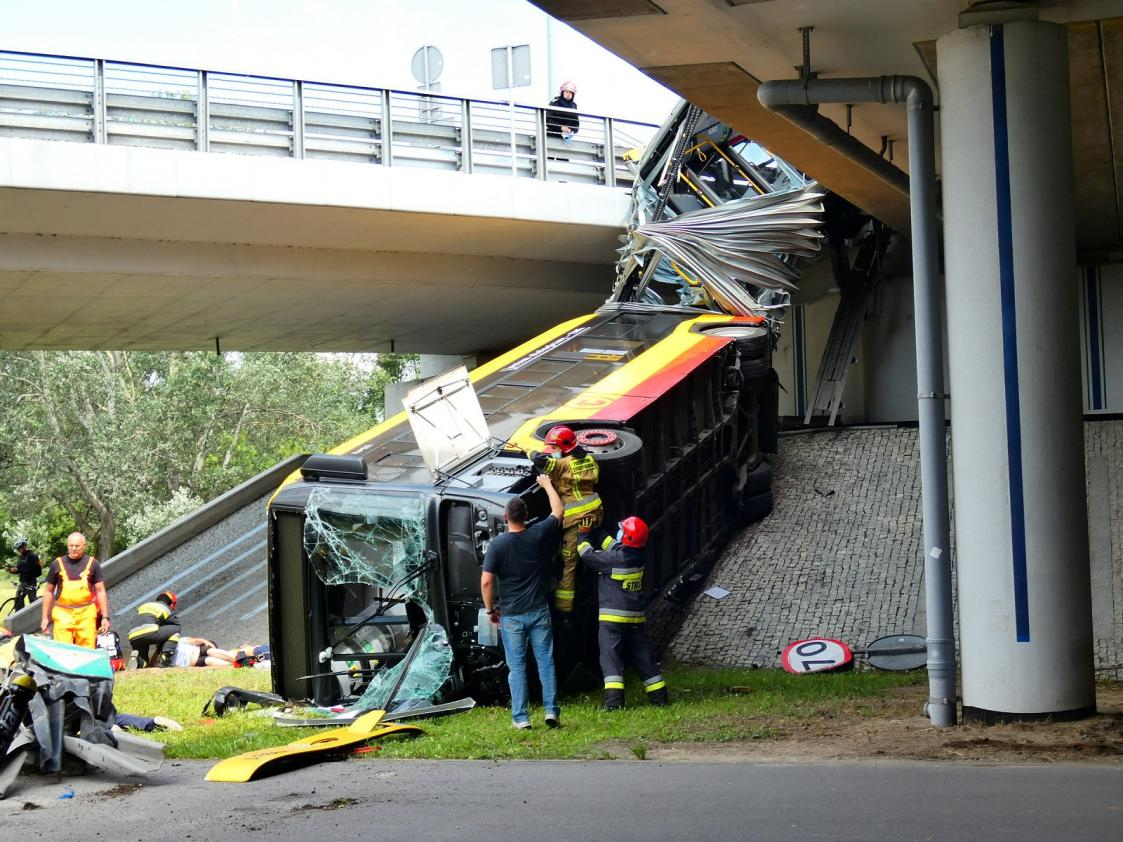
[(348, 219)]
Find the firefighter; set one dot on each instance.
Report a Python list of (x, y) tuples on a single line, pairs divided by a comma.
[(74, 596), (623, 633), (158, 629), (574, 473)]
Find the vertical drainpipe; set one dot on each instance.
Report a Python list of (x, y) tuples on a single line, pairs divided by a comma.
[(790, 99)]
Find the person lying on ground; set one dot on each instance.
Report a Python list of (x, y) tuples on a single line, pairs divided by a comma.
[(200, 652)]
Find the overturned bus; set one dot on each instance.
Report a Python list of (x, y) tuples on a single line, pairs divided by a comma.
[(669, 385)]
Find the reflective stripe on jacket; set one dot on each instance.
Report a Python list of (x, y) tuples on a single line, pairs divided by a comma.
[(575, 478), (619, 581), (157, 615)]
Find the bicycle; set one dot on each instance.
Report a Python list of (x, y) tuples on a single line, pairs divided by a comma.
[(30, 593)]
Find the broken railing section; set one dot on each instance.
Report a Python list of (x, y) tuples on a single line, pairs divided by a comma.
[(379, 541)]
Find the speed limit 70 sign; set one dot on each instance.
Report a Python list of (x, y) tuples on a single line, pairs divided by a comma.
[(819, 654)]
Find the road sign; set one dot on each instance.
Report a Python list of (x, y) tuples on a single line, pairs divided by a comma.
[(898, 652), (818, 654)]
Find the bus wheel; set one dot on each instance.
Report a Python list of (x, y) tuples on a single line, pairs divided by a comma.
[(756, 507)]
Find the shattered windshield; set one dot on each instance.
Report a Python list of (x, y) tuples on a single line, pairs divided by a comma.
[(378, 540), (426, 670), (365, 539)]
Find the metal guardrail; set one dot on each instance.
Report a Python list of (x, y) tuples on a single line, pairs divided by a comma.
[(123, 565), (124, 104)]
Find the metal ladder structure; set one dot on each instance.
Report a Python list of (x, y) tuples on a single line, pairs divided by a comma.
[(857, 283)]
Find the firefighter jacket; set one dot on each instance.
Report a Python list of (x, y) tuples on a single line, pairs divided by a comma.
[(153, 616), (619, 580), (575, 477)]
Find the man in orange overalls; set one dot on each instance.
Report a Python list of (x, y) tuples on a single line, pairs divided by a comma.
[(75, 595)]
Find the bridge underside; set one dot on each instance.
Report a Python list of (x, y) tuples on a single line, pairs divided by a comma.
[(115, 248)]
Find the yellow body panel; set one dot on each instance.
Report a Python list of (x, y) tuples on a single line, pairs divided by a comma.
[(268, 761)]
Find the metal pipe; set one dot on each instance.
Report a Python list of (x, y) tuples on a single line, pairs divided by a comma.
[(782, 97), (792, 100)]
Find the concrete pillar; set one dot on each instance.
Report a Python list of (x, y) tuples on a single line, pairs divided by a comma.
[(1017, 439)]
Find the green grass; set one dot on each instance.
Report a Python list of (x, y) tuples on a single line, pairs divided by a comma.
[(703, 709)]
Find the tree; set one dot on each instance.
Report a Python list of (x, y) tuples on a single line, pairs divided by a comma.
[(108, 436)]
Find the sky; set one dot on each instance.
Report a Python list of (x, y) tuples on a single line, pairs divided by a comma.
[(359, 42)]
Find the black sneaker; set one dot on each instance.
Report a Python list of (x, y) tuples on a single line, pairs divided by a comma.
[(552, 721)]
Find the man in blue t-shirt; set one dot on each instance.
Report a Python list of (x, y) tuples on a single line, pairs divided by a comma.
[(521, 559)]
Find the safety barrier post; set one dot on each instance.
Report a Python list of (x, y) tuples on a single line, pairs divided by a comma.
[(99, 101), (609, 154), (298, 119), (387, 131), (202, 115), (465, 136), (540, 141)]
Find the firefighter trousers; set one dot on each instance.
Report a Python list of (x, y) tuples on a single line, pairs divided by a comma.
[(148, 646), (627, 643), (571, 537)]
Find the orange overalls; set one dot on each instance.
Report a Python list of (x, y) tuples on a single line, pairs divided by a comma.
[(575, 478), (75, 612)]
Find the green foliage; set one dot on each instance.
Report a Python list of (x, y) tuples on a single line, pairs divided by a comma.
[(703, 709), (116, 443)]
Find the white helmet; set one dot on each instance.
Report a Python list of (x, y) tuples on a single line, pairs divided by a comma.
[(569, 86)]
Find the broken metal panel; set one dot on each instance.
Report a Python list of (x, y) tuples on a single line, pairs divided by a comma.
[(447, 421)]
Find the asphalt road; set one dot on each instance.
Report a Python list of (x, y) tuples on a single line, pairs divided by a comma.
[(558, 800)]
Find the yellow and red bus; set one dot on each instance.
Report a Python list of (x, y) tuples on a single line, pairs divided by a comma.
[(678, 406)]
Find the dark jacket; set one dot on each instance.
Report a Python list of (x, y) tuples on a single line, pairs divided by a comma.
[(619, 581), (555, 120), (28, 568)]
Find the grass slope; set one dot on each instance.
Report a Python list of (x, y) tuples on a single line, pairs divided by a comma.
[(707, 705)]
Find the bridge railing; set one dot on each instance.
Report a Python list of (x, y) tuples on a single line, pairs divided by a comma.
[(125, 104)]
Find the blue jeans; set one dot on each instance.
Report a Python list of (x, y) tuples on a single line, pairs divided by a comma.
[(516, 630)]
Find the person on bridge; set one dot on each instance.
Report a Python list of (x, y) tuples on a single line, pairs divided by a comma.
[(622, 637), (158, 627), (520, 560), (575, 474), (560, 123), (28, 569), (74, 596)]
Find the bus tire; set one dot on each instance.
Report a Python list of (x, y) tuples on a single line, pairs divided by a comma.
[(769, 416), (756, 507), (759, 480)]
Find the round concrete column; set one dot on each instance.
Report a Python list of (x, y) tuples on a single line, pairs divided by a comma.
[(1021, 529)]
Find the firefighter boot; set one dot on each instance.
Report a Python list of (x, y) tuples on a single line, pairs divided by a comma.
[(658, 697), (613, 699)]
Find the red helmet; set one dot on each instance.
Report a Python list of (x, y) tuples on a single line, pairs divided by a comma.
[(633, 532), (562, 438), (170, 598)]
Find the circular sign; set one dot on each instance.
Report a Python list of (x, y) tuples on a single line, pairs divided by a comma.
[(818, 654), (427, 64), (898, 652)]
